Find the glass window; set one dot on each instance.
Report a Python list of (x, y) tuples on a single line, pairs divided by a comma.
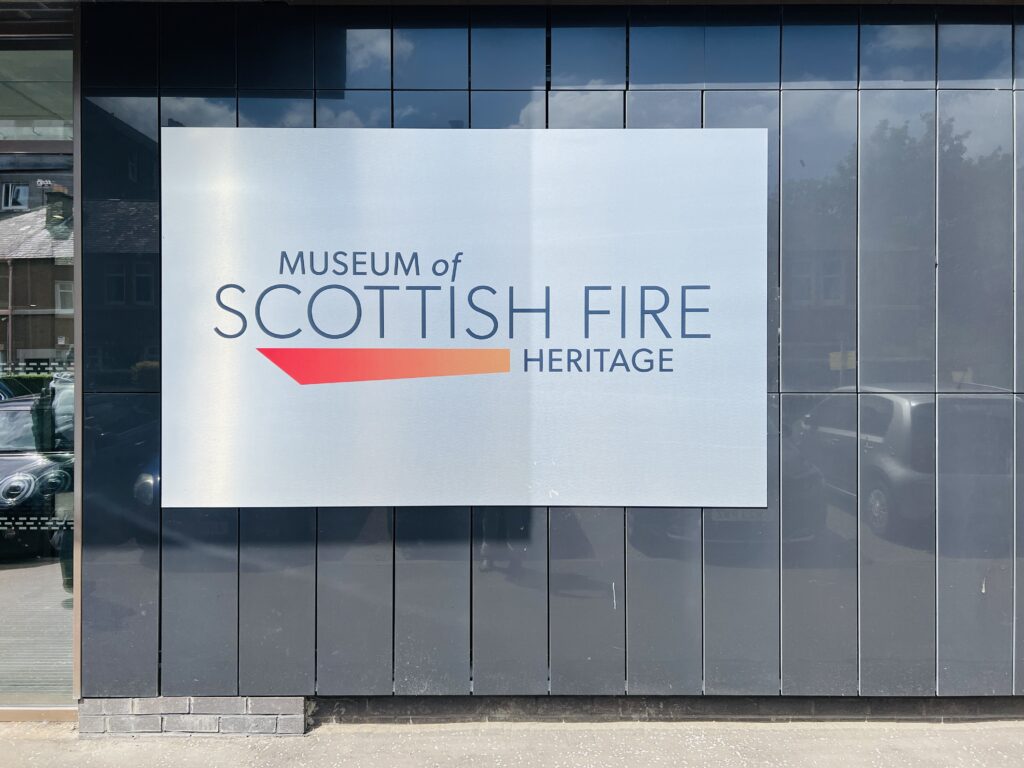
[(588, 48), (897, 48), (15, 196), (666, 48), (507, 109), (742, 48), (197, 45), (35, 94), (585, 109), (509, 48), (353, 109), (819, 48), (353, 48), (975, 48), (431, 109), (275, 46), (431, 48), (275, 109), (663, 109), (216, 109)]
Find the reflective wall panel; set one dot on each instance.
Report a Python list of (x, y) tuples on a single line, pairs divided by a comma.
[(510, 600), (432, 600), (819, 544), (664, 624), (975, 544), (354, 601), (587, 596)]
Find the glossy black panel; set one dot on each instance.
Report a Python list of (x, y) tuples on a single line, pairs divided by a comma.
[(275, 46), (587, 599), (197, 45), (431, 48), (432, 600), (897, 47), (664, 593), (666, 47), (119, 45), (193, 108), (277, 602), (120, 545), (353, 109), (508, 48), (975, 47), (431, 109), (975, 241), (819, 545), (741, 586), (120, 241), (507, 109), (819, 240), (199, 602), (275, 109), (819, 47), (663, 109), (353, 48), (897, 240), (586, 109), (897, 545), (510, 600), (742, 47), (355, 565), (757, 109), (975, 545), (588, 48)]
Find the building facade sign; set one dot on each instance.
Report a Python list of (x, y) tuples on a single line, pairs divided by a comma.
[(432, 318)]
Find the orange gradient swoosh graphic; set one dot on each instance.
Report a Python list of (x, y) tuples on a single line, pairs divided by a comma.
[(334, 366)]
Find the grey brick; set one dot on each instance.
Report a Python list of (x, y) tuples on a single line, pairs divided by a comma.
[(248, 724), (91, 724), (173, 705), (276, 705), (117, 706), (218, 705), (191, 723), (145, 706), (134, 724), (90, 707), (291, 724)]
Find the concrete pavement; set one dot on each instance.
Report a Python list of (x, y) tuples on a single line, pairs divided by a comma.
[(558, 745)]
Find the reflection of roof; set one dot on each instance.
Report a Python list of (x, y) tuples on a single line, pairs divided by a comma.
[(25, 236), (121, 226)]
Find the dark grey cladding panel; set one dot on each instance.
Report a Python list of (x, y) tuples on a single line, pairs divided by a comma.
[(588, 600), (355, 565), (199, 608), (432, 600), (664, 601), (510, 600), (277, 602)]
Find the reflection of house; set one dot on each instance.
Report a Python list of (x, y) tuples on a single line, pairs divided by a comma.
[(36, 270)]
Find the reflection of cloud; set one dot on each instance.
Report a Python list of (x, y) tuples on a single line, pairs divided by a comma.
[(275, 113), (585, 109), (197, 111), (532, 115), (342, 117), (975, 36), (977, 122), (372, 48), (898, 37), (403, 46), (136, 111)]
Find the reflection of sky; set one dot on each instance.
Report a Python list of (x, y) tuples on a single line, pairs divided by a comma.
[(275, 112), (431, 57), (969, 53), (197, 111), (588, 57), (431, 109), (819, 131), (357, 109), (897, 53), (976, 120), (585, 109), (507, 109), (655, 109), (139, 112)]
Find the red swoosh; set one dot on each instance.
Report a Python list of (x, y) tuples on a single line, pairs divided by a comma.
[(331, 366)]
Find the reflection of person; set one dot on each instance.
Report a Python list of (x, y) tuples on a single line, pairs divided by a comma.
[(499, 527)]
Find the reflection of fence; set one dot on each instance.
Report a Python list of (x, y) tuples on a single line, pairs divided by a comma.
[(34, 368)]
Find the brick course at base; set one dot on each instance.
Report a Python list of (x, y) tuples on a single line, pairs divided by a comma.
[(194, 714)]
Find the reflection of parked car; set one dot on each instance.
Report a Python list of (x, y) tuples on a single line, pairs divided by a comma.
[(897, 454), (36, 472)]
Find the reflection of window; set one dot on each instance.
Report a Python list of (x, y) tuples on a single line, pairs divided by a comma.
[(65, 296), (15, 197), (875, 415), (115, 286), (143, 282)]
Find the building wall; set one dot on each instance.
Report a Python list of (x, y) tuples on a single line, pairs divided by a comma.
[(884, 563)]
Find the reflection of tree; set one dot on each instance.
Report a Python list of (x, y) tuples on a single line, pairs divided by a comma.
[(898, 249), (975, 230)]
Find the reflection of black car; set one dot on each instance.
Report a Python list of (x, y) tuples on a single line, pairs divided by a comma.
[(897, 454), (36, 473)]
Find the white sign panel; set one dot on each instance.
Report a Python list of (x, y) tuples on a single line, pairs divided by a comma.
[(415, 317)]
